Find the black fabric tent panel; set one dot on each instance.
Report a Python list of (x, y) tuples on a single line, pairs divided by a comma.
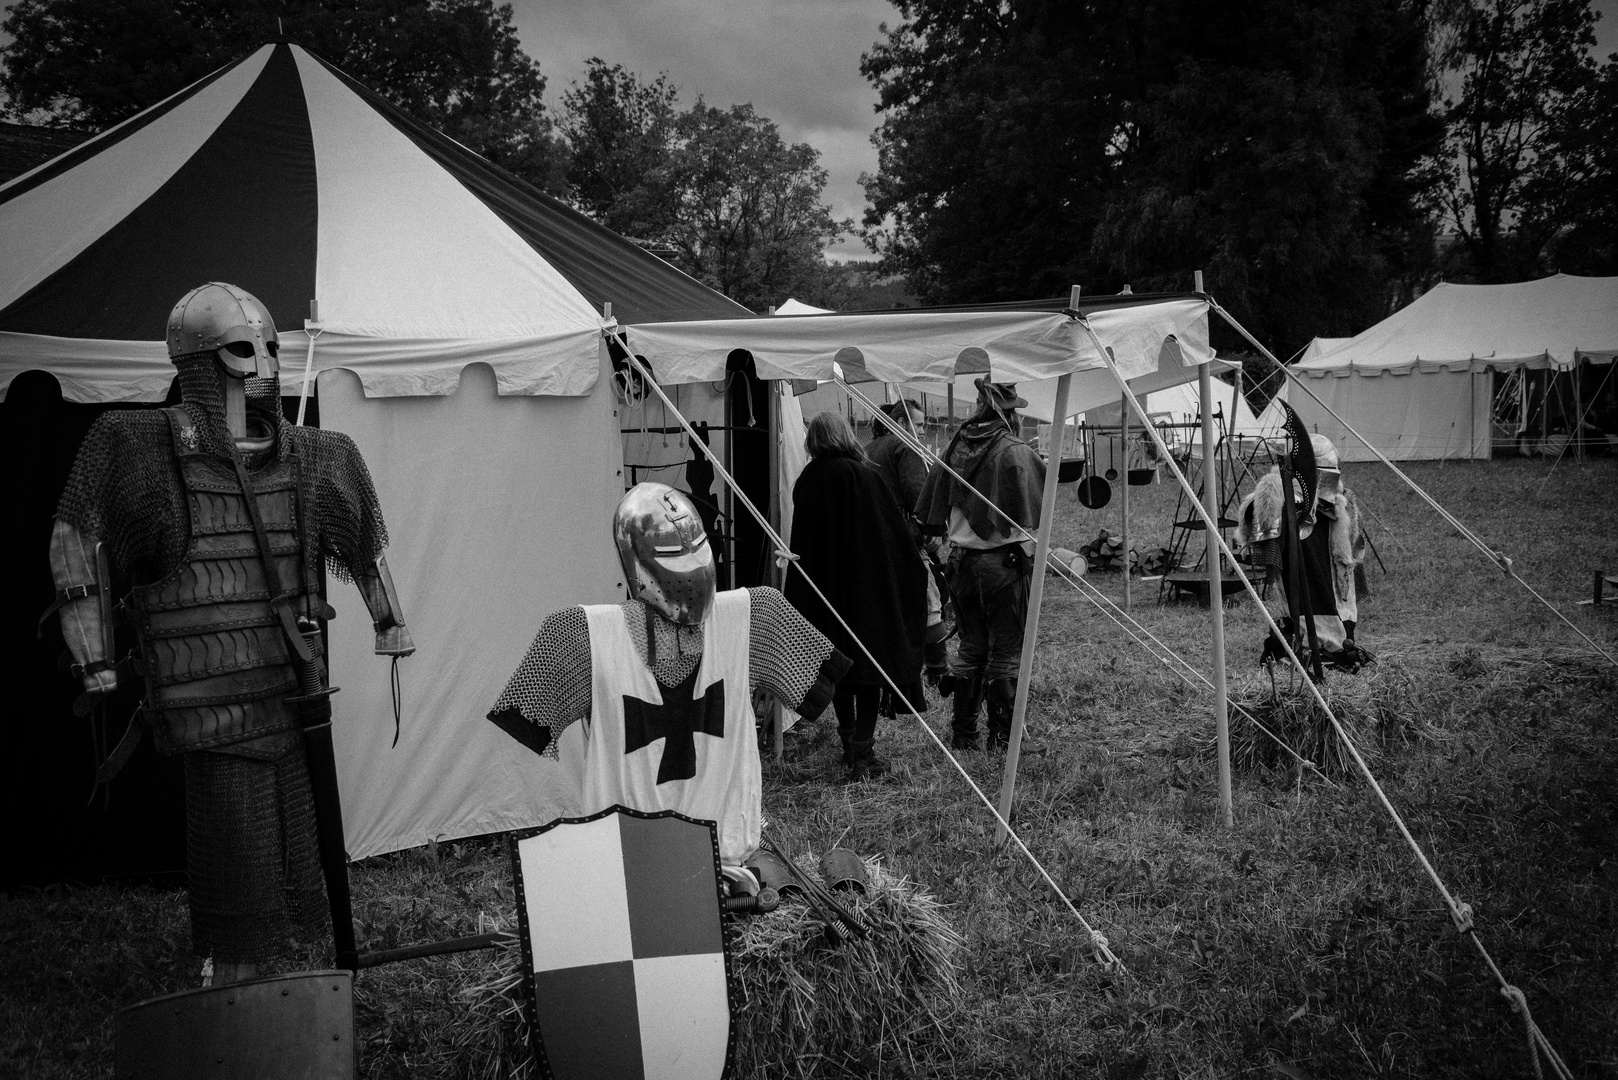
[(602, 265), (243, 209), (48, 755), (112, 136)]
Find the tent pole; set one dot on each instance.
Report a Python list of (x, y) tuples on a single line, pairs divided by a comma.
[(949, 405), (1216, 601), (1578, 411), (778, 574), (1036, 593), (312, 328), (1123, 453), (730, 496)]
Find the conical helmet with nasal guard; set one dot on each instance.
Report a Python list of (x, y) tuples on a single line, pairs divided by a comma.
[(229, 322)]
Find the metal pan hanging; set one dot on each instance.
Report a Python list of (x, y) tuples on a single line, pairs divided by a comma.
[(1094, 492)]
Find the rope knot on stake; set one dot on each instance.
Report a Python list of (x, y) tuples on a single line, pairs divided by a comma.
[(1462, 914), (1502, 560), (783, 558), (1098, 940)]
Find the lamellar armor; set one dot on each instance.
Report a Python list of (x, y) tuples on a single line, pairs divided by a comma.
[(217, 664)]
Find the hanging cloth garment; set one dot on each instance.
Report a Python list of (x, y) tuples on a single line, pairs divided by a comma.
[(691, 748)]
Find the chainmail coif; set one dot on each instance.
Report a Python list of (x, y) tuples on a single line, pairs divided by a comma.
[(125, 486)]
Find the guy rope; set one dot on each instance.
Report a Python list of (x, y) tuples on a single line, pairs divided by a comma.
[(785, 558), (1460, 912)]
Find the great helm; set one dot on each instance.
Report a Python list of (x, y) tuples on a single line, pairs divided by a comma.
[(1330, 474), (228, 322), (667, 561), (1325, 453)]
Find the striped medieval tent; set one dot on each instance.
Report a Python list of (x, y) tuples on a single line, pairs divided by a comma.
[(458, 342)]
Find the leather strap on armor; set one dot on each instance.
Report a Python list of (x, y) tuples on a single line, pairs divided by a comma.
[(280, 601), (63, 599)]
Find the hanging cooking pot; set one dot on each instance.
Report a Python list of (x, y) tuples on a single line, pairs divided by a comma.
[(1094, 492)]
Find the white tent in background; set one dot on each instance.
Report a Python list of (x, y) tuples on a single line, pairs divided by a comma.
[(1320, 346), (1419, 384)]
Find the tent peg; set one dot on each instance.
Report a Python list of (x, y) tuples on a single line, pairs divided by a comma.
[(1196, 281)]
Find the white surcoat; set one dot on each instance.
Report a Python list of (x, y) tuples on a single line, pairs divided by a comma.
[(691, 748)]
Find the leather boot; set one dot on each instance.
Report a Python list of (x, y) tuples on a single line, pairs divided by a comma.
[(1002, 698), (968, 700), (863, 763), (845, 735)]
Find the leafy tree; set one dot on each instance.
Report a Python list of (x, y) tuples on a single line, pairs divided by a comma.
[(751, 223), (1522, 66), (1584, 176), (621, 132), (718, 190), (455, 64), (1034, 144)]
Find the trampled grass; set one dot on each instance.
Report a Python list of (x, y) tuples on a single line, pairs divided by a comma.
[(1304, 941)]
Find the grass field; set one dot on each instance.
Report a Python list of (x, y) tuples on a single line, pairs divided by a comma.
[(1303, 942)]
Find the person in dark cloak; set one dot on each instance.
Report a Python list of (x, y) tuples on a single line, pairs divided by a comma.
[(905, 472), (851, 537), (990, 562), (899, 466)]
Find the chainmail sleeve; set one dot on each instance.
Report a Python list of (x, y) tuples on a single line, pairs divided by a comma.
[(124, 490), (551, 687), (347, 511), (790, 658)]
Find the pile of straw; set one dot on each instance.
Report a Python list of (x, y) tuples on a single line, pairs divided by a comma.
[(1377, 705), (808, 1008)]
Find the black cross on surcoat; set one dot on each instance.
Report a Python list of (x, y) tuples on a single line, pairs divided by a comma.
[(676, 719)]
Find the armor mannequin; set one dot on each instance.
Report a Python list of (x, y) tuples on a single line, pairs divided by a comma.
[(665, 678), (219, 513), (1331, 547)]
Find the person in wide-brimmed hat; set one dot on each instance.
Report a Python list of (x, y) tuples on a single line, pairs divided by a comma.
[(990, 564)]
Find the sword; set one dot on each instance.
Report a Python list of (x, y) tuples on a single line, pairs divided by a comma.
[(313, 703)]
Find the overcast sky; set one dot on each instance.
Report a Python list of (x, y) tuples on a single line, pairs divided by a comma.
[(796, 61)]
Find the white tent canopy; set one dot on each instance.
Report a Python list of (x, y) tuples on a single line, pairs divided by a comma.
[(930, 346), (1418, 384)]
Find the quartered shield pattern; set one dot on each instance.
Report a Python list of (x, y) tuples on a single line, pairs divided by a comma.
[(624, 948)]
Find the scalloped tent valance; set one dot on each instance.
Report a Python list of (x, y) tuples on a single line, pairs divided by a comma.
[(1553, 322)]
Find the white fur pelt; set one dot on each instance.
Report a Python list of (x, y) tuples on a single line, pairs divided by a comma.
[(1260, 519), (1260, 515)]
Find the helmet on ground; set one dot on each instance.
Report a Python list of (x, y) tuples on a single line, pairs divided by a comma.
[(667, 561), (229, 322)]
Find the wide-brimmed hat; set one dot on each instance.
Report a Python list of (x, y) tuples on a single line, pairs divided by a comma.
[(1002, 395)]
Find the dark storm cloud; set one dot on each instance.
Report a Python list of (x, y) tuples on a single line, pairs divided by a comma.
[(797, 62)]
